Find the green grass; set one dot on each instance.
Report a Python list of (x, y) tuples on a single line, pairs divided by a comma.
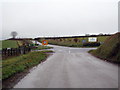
[(9, 44), (40, 47), (13, 43), (68, 44), (110, 50), (18, 64), (102, 38), (48, 51)]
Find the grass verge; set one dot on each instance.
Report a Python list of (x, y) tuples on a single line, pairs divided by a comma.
[(18, 64), (110, 50), (40, 47)]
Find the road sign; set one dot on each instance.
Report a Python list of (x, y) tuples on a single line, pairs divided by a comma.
[(92, 39), (44, 42)]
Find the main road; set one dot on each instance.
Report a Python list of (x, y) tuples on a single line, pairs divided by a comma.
[(71, 68)]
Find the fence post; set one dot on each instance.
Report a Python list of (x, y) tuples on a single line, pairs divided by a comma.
[(15, 51)]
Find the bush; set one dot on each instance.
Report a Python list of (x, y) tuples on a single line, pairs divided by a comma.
[(91, 44)]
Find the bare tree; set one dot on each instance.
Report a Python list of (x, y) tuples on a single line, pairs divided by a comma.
[(14, 34)]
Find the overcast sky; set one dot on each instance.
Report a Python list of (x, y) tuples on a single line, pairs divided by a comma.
[(35, 18)]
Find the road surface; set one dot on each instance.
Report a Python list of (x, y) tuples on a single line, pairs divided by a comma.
[(71, 68)]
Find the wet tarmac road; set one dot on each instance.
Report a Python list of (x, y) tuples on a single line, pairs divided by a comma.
[(71, 68)]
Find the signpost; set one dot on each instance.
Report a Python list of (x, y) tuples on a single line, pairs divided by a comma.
[(92, 39)]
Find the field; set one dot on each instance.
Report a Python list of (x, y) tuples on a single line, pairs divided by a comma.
[(102, 38), (17, 43), (73, 42), (12, 43), (18, 64), (9, 44)]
